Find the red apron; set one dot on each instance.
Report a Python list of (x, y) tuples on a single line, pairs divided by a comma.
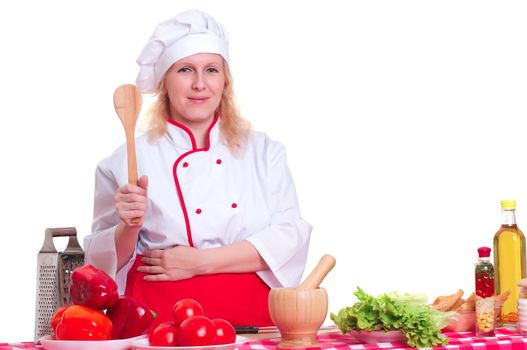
[(240, 298)]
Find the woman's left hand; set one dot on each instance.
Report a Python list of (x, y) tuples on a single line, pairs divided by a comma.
[(171, 264)]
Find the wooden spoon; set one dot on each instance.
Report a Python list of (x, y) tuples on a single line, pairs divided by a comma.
[(314, 279), (127, 102)]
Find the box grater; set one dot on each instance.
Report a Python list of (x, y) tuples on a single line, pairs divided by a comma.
[(54, 275)]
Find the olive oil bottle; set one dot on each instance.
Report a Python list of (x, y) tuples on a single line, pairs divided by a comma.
[(509, 261)]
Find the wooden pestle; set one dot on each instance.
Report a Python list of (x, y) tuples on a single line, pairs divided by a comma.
[(326, 263)]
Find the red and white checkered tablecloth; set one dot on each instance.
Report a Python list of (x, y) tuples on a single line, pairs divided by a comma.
[(504, 340)]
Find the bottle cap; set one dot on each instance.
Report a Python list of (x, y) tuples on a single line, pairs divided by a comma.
[(484, 252), (508, 204)]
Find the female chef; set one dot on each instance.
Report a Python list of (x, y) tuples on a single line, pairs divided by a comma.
[(218, 215)]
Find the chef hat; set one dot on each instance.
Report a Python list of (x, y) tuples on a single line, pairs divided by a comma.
[(186, 34)]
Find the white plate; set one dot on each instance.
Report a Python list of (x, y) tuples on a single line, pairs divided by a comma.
[(142, 344), (378, 336), (50, 343)]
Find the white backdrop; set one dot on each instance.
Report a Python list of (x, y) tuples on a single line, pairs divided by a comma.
[(403, 122)]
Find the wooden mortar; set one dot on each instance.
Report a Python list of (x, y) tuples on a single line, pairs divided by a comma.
[(299, 312)]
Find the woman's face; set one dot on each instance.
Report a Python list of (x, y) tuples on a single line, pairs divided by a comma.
[(194, 86)]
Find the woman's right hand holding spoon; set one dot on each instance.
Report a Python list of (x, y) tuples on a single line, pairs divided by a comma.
[(131, 202)]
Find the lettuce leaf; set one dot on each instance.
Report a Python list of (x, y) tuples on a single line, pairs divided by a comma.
[(409, 313)]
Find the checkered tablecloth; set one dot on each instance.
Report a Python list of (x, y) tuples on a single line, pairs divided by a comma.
[(504, 340)]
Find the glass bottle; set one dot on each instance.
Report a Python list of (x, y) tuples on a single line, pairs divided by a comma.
[(509, 261), (485, 298), (522, 312)]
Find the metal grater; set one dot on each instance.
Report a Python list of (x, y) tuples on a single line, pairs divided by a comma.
[(54, 271)]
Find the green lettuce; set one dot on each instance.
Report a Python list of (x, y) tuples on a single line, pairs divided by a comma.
[(408, 313)]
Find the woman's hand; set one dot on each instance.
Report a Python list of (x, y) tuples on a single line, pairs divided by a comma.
[(130, 202), (182, 262), (172, 264)]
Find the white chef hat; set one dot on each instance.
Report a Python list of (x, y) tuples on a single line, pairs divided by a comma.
[(186, 34)]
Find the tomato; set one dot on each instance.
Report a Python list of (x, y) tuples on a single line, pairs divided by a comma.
[(184, 309), (225, 333), (165, 334), (196, 331), (57, 317)]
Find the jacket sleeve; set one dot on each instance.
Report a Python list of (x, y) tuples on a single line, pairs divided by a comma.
[(284, 243), (100, 244)]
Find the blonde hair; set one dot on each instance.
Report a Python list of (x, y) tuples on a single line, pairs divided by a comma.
[(234, 129)]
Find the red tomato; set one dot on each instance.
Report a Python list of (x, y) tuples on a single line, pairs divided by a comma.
[(225, 333), (57, 317), (196, 331), (164, 334), (184, 309)]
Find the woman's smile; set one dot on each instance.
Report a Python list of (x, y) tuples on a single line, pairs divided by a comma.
[(198, 100)]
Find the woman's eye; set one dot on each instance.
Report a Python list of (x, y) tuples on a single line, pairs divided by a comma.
[(183, 70), (212, 70)]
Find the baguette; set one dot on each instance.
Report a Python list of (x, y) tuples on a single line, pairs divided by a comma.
[(447, 302)]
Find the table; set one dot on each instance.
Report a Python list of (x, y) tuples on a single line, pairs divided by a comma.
[(505, 339)]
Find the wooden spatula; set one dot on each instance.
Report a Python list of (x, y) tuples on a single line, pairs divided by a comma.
[(127, 102)]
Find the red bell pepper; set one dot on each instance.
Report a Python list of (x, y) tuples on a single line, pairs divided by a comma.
[(93, 288), (82, 323), (55, 320), (130, 318)]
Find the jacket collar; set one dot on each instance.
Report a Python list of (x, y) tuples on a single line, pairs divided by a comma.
[(182, 137)]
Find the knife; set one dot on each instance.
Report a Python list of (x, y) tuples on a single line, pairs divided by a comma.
[(269, 329), (254, 329)]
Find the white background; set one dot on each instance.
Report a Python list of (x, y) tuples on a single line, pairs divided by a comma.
[(403, 122)]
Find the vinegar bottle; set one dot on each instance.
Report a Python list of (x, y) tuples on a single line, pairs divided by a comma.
[(509, 261), (485, 298)]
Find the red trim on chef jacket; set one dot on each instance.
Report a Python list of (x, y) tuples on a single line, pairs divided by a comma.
[(240, 298), (174, 169), (189, 132)]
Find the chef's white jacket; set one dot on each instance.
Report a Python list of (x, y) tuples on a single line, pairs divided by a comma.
[(221, 198)]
